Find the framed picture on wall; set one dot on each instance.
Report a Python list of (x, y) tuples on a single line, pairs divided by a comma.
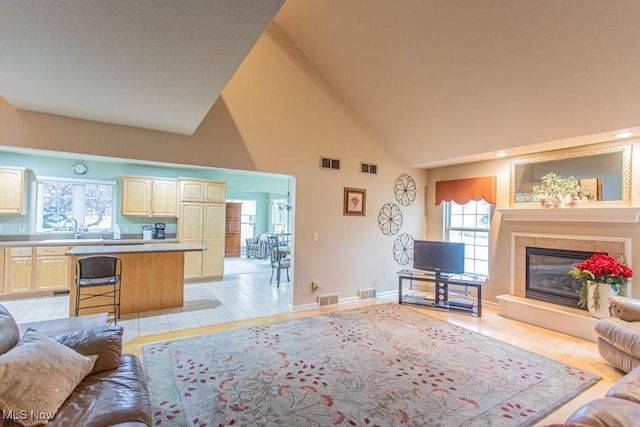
[(355, 201)]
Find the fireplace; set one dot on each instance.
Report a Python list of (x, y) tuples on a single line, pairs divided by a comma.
[(566, 319), (546, 275)]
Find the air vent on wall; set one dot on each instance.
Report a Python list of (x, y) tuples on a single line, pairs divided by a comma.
[(367, 293), (328, 163), (368, 168), (330, 299)]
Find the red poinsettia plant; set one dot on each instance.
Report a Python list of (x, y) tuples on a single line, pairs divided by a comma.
[(600, 268)]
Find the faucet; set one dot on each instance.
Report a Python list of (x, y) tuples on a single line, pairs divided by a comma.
[(76, 233)]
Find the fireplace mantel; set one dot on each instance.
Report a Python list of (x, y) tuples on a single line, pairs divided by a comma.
[(622, 214)]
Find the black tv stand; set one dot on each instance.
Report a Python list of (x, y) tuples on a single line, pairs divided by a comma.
[(439, 295)]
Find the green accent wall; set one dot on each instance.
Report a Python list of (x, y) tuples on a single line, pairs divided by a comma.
[(240, 185)]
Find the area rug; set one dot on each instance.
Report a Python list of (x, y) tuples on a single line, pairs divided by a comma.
[(383, 365)]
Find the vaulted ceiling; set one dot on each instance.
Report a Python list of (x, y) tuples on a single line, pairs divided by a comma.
[(438, 81), (145, 63)]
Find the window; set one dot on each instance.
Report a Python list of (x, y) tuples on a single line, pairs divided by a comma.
[(469, 224), (280, 209), (90, 203)]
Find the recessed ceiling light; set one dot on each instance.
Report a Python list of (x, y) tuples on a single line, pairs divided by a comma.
[(624, 134), (501, 154)]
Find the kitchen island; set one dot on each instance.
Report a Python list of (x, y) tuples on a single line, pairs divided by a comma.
[(152, 275)]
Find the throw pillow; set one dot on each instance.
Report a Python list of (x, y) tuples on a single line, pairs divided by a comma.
[(38, 375), (104, 341)]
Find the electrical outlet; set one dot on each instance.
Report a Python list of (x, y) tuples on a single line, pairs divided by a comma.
[(125, 228), (315, 236), (22, 229)]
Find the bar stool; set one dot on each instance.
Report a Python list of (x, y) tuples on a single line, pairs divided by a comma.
[(98, 281)]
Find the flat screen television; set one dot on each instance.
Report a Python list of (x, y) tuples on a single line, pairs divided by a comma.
[(438, 257)]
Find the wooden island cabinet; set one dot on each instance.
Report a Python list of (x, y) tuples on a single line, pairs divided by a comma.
[(152, 275)]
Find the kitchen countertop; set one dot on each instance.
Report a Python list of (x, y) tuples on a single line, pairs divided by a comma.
[(83, 242), (140, 248)]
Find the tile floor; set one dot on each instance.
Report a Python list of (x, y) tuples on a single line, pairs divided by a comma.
[(244, 293)]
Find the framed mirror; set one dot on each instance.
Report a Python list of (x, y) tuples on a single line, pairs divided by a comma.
[(605, 170)]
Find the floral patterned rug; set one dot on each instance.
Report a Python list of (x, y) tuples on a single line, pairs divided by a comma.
[(382, 365)]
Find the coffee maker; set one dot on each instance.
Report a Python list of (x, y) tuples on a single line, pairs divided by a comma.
[(158, 231)]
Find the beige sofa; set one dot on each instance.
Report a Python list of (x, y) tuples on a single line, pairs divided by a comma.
[(619, 344), (79, 378), (619, 335)]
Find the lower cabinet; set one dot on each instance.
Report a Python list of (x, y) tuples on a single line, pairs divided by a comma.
[(193, 265), (19, 268), (29, 270), (51, 269), (213, 258)]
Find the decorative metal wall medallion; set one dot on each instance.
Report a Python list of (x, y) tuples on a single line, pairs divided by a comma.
[(390, 219), (403, 249), (405, 190)]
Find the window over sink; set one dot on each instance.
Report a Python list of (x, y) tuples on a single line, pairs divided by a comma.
[(61, 202)]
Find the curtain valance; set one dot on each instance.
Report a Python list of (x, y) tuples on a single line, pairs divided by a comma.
[(462, 191)]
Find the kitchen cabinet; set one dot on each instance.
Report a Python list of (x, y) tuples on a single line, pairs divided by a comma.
[(193, 190), (12, 188), (18, 270), (26, 270), (191, 231), (149, 197), (213, 239), (203, 222), (51, 269), (233, 228)]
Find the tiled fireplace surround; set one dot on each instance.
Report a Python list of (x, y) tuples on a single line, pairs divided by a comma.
[(562, 319)]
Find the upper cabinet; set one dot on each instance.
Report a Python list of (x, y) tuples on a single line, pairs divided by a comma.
[(193, 190), (12, 188), (150, 197)]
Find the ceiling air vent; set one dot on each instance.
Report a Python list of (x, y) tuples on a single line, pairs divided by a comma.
[(327, 163), (368, 168)]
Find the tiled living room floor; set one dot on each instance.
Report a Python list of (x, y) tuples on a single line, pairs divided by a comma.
[(244, 293)]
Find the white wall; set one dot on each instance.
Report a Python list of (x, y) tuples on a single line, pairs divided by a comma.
[(276, 115)]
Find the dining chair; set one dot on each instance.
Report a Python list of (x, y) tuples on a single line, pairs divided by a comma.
[(279, 260)]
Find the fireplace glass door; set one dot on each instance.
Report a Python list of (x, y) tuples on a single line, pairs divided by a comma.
[(547, 275)]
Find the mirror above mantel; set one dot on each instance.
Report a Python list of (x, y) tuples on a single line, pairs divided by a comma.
[(605, 169)]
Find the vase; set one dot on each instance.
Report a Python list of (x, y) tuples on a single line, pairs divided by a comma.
[(604, 291)]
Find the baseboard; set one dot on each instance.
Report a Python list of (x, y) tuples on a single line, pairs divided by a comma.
[(349, 300), (304, 307)]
